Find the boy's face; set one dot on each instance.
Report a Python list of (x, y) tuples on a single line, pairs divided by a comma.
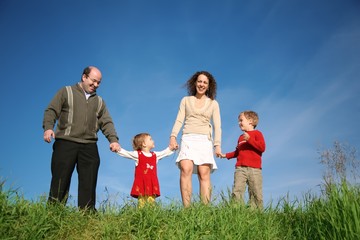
[(245, 124)]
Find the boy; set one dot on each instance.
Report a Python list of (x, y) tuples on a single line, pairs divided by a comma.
[(249, 149)]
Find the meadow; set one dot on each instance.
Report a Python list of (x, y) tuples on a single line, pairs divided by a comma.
[(335, 214)]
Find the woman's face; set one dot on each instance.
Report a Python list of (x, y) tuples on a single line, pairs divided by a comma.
[(202, 84)]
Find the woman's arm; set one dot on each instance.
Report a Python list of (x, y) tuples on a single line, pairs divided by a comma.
[(177, 125), (217, 128)]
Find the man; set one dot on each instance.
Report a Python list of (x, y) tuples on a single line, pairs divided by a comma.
[(79, 113)]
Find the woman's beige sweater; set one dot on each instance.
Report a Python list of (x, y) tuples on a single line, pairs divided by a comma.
[(198, 120)]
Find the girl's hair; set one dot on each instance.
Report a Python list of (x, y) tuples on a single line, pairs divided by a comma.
[(138, 140), (191, 84), (251, 115)]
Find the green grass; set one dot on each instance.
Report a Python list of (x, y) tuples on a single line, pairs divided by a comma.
[(333, 215)]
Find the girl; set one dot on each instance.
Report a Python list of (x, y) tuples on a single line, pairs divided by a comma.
[(146, 184)]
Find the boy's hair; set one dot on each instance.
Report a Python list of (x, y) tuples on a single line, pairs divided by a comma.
[(251, 115), (138, 140)]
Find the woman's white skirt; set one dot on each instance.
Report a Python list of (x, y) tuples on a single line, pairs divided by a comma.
[(199, 149)]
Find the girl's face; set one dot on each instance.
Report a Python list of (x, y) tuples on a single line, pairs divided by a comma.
[(245, 124), (149, 143), (202, 84)]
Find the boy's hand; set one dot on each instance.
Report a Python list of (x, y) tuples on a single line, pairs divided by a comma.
[(222, 155), (246, 136)]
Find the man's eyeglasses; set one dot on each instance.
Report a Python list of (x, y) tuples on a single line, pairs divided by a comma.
[(93, 80)]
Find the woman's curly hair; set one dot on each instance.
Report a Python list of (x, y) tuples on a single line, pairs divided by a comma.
[(191, 84)]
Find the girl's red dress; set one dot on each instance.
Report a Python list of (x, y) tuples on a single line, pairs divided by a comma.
[(146, 182)]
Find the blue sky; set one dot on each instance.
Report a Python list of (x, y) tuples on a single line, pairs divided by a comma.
[(296, 63)]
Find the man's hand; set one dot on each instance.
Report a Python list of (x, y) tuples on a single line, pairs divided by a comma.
[(115, 147), (48, 135)]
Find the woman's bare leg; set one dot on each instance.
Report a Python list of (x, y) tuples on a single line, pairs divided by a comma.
[(186, 170), (205, 183)]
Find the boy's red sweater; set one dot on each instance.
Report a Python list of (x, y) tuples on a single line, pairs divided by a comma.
[(248, 153)]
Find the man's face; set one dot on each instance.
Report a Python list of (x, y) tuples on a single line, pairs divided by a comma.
[(91, 81)]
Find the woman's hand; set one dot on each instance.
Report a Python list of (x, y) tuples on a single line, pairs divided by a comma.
[(173, 145), (218, 151)]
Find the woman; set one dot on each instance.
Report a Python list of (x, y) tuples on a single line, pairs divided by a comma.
[(196, 152)]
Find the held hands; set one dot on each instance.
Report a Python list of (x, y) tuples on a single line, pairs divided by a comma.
[(246, 137), (218, 151), (173, 144), (48, 135), (115, 147)]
